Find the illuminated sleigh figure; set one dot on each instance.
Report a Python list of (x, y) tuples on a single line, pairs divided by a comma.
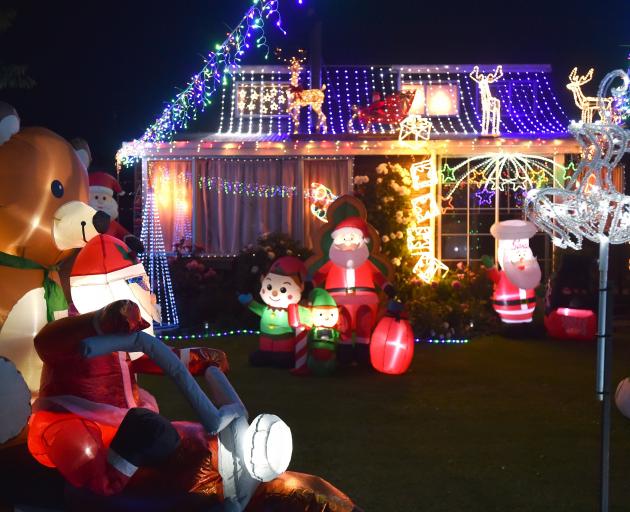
[(389, 110)]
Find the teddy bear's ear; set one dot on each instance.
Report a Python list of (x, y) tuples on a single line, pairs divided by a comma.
[(82, 150), (9, 122)]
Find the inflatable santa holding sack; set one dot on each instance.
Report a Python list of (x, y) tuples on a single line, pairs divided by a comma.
[(119, 453), (104, 434), (103, 186), (514, 297)]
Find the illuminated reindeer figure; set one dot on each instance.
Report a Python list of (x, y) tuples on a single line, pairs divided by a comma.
[(299, 97), (490, 106), (587, 104)]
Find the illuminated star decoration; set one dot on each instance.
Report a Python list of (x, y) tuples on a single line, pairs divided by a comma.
[(197, 94), (484, 196), (448, 174)]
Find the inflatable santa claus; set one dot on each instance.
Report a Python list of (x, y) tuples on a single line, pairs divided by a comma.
[(104, 434), (514, 297), (352, 280), (103, 186)]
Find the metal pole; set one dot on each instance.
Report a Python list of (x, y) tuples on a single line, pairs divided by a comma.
[(604, 351)]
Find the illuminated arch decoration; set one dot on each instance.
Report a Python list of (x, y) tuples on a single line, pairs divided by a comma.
[(503, 171), (421, 232)]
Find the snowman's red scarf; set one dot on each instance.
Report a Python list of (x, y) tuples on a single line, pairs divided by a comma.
[(53, 294)]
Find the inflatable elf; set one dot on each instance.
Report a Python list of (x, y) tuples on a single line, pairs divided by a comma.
[(281, 290), (323, 336)]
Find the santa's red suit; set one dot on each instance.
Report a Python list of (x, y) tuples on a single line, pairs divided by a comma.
[(354, 291), (514, 305), (82, 403)]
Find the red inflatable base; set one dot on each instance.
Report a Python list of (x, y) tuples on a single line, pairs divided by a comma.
[(571, 324)]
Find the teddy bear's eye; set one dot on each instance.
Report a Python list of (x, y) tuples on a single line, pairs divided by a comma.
[(56, 188)]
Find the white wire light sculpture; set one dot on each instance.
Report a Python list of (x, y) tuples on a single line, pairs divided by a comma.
[(591, 207)]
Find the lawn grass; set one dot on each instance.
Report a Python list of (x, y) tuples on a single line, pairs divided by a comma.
[(495, 425)]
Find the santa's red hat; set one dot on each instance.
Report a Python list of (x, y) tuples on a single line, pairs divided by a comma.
[(104, 259), (356, 223), (104, 182), (288, 266)]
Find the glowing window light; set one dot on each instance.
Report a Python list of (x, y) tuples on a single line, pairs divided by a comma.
[(440, 101), (418, 104), (439, 119), (445, 90)]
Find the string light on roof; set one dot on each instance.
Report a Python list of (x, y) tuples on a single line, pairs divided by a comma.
[(224, 61)]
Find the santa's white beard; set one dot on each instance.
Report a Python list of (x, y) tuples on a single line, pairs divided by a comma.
[(527, 277), (109, 207), (349, 259)]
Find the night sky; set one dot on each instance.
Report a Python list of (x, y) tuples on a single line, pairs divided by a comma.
[(105, 69)]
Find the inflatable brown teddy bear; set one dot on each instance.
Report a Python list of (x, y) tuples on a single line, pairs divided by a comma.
[(44, 215)]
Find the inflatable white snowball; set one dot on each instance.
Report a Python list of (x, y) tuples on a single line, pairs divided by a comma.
[(15, 401)]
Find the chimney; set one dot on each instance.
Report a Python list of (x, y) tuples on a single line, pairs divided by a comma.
[(315, 50)]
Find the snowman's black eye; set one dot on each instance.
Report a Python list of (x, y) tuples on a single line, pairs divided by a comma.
[(283, 290), (269, 287)]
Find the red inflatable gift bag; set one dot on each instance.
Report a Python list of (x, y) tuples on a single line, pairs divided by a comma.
[(392, 344)]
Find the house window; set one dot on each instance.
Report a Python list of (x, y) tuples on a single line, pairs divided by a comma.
[(464, 226), (262, 100), (434, 99)]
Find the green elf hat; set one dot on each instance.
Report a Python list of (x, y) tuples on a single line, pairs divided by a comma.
[(320, 298)]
